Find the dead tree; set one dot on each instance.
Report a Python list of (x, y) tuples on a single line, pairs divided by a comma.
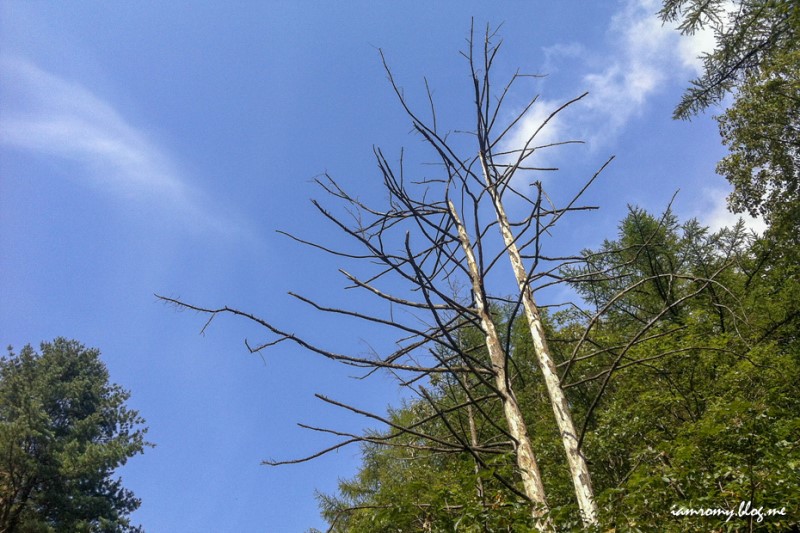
[(499, 175), (450, 230), (436, 234)]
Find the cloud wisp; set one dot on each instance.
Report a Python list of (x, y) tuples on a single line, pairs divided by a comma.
[(644, 56), (49, 116)]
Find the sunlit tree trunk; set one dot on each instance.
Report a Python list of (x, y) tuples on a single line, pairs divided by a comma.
[(526, 460), (579, 471)]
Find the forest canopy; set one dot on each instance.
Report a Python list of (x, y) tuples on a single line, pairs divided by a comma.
[(705, 417)]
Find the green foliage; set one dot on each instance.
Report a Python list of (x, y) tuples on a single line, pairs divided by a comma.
[(409, 488), (412, 484), (642, 263), (64, 429), (708, 418), (762, 131), (701, 413), (749, 34), (704, 443), (757, 60)]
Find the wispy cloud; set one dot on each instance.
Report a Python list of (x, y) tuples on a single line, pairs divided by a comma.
[(642, 59), (530, 133), (643, 56), (49, 116), (646, 54)]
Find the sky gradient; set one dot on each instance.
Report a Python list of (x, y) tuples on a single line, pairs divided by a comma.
[(150, 147)]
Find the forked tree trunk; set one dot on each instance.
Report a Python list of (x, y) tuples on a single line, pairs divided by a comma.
[(579, 471), (526, 461)]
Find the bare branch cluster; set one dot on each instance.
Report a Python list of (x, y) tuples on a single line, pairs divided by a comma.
[(447, 233)]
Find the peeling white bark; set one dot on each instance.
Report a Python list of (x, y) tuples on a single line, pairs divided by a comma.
[(526, 460), (579, 471)]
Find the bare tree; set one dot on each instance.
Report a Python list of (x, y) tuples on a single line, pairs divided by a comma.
[(498, 177), (439, 234)]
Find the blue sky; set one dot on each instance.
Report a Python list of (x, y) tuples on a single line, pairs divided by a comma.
[(151, 147)]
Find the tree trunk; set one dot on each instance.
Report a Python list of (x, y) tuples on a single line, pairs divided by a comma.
[(526, 461), (579, 471)]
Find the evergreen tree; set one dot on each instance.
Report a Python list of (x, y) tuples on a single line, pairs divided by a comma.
[(64, 429), (755, 60), (701, 412)]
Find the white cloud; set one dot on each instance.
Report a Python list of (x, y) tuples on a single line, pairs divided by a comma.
[(528, 126), (554, 55), (692, 47), (716, 215), (644, 56), (49, 116), (647, 54)]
